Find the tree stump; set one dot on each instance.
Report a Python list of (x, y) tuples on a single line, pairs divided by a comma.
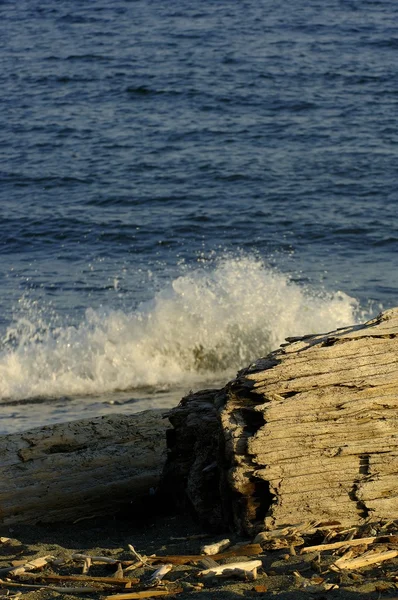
[(79, 469), (307, 434)]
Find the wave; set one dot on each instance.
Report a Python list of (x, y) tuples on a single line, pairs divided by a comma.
[(204, 326)]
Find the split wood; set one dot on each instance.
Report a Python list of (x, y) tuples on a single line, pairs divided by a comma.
[(183, 559), (100, 559), (158, 575), (144, 594), (369, 558), (245, 569), (87, 564), (215, 548), (53, 588), (36, 563), (337, 545), (82, 578), (138, 556)]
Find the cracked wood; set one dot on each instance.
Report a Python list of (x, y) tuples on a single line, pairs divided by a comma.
[(79, 469), (308, 433)]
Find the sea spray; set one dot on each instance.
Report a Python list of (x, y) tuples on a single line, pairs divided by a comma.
[(204, 326)]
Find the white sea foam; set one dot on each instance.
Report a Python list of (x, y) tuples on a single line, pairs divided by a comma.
[(205, 325)]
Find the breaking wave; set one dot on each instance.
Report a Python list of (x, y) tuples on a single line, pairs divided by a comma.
[(205, 325)]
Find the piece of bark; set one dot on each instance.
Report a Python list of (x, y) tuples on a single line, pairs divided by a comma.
[(72, 470), (307, 434)]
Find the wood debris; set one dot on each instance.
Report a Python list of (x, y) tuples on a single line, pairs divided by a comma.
[(125, 581), (216, 547), (244, 570), (320, 567), (133, 566), (95, 559), (207, 563), (365, 560), (144, 594), (31, 565), (53, 588), (351, 542), (88, 561), (142, 559), (181, 559), (158, 575)]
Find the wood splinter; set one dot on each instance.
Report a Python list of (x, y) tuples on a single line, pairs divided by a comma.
[(216, 548), (244, 570), (158, 575), (144, 594), (337, 545), (125, 581), (369, 558), (100, 559), (31, 565)]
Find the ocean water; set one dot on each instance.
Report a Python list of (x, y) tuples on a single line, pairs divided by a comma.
[(182, 186)]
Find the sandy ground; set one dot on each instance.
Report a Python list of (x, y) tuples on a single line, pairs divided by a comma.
[(284, 575)]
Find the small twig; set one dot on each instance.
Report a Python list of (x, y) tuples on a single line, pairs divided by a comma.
[(198, 536), (100, 559), (336, 545), (183, 559), (83, 579), (53, 588), (138, 556), (87, 564), (144, 594), (133, 566)]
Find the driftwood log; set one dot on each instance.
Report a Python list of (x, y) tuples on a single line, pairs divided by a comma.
[(70, 471), (307, 434)]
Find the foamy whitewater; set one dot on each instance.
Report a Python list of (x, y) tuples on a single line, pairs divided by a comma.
[(201, 328)]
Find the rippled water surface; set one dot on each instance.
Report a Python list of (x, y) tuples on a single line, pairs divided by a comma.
[(182, 186)]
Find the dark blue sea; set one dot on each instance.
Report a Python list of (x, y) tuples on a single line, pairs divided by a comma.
[(182, 186)]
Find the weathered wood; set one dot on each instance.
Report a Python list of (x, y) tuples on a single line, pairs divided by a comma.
[(74, 470), (307, 434), (369, 558), (244, 570)]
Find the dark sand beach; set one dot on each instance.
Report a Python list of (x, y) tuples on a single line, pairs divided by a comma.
[(286, 573)]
